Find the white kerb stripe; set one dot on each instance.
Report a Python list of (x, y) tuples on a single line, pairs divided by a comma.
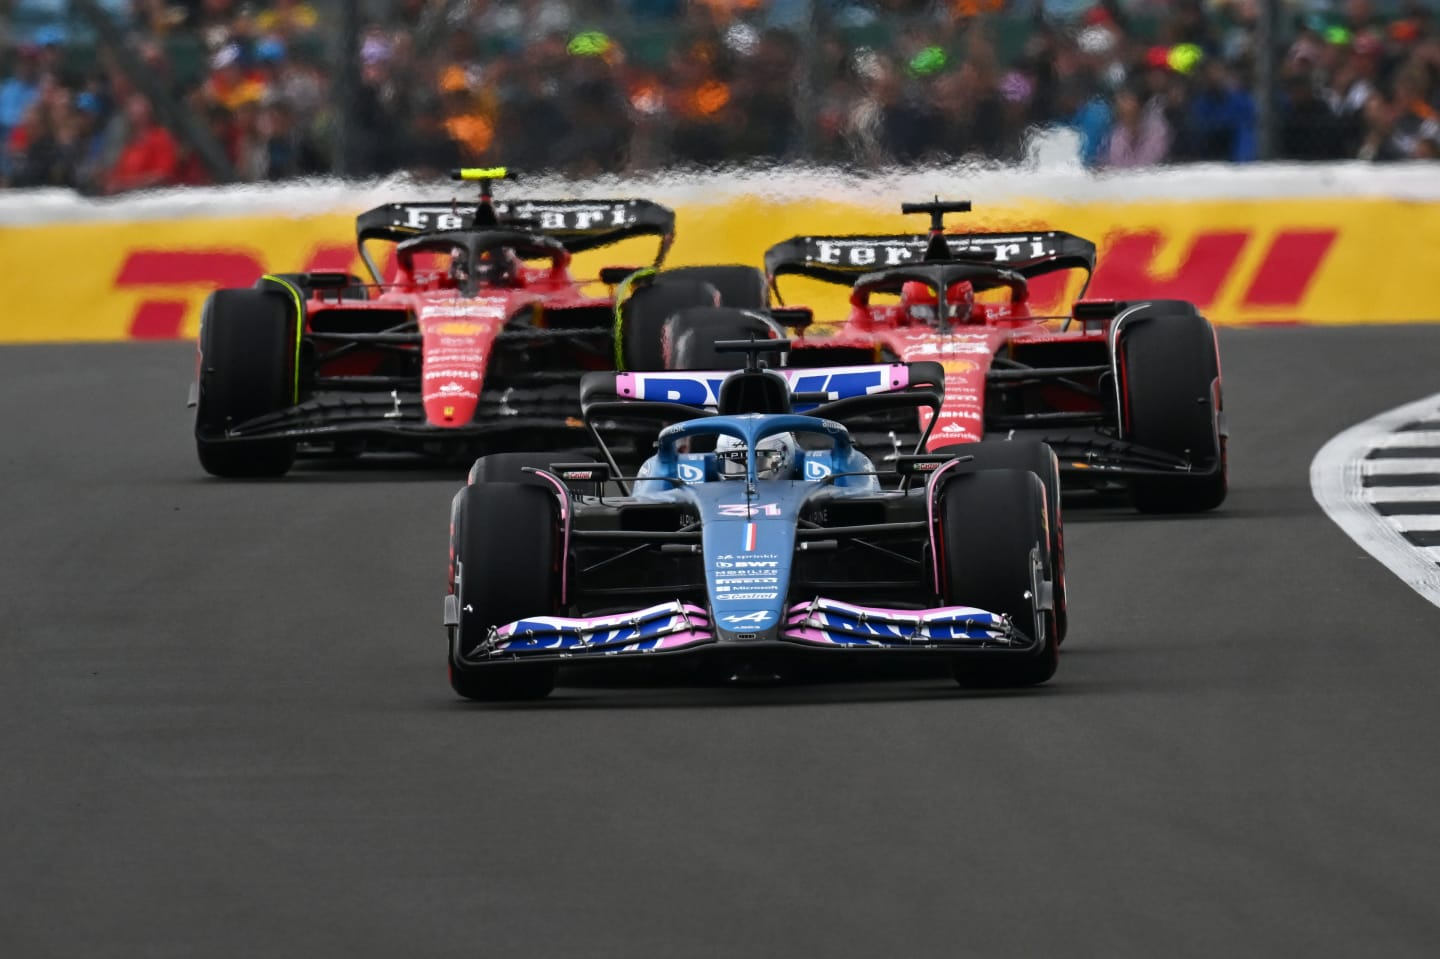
[(1399, 467), (1335, 481), (1409, 438), (1402, 494), (1415, 522)]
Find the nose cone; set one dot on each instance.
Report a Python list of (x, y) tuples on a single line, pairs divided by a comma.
[(451, 400), (456, 340)]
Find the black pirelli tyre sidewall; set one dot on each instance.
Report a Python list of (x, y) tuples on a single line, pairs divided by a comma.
[(504, 567), (991, 522), (741, 287), (245, 369), (1037, 458), (1170, 400), (688, 338), (643, 317)]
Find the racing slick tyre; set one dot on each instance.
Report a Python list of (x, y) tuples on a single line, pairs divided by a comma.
[(741, 287), (991, 525), (1171, 401), (246, 369), (688, 338), (502, 568), (643, 316), (1039, 459)]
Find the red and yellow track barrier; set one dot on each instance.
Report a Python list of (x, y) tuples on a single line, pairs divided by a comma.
[(1333, 261)]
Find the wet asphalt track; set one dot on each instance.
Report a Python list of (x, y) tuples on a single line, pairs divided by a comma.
[(226, 729)]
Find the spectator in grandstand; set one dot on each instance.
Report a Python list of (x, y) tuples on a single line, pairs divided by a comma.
[(1086, 110), (1310, 129), (1140, 135), (1219, 121), (1379, 142), (18, 93), (150, 157)]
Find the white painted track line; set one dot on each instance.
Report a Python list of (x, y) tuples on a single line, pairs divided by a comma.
[(1401, 494), (1410, 438), (1399, 467), (1336, 480), (1415, 522)]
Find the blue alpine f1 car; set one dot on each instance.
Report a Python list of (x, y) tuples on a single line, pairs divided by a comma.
[(755, 537)]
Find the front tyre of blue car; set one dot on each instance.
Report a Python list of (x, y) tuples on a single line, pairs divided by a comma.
[(504, 567), (992, 529)]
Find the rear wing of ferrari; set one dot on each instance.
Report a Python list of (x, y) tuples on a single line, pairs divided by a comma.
[(845, 259), (579, 225)]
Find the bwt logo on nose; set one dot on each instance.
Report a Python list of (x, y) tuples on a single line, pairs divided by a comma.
[(703, 389)]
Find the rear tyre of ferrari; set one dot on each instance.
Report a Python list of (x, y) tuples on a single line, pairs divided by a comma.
[(741, 287), (992, 527), (643, 317), (689, 337), (1171, 401), (503, 568), (246, 369), (1039, 459)]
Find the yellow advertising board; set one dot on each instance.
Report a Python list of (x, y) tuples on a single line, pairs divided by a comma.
[(1334, 261)]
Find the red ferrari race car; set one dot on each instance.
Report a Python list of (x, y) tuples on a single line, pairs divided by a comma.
[(475, 345), (1125, 393)]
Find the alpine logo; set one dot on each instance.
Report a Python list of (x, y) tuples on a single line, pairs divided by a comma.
[(758, 618)]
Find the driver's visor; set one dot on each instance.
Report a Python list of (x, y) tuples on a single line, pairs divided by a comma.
[(767, 463), (929, 313)]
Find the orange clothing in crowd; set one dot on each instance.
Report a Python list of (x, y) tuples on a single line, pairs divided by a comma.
[(472, 131)]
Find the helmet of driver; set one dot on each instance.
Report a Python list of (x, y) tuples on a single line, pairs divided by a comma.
[(920, 304), (775, 457), (499, 267)]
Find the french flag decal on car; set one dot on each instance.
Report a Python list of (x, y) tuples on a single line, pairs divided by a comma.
[(749, 537)]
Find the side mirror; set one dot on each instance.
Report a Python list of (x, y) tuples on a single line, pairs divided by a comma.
[(798, 318), (615, 275)]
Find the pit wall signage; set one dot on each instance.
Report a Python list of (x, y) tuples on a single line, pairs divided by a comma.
[(1243, 262)]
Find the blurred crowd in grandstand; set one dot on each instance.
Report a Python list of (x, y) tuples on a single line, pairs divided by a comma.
[(590, 86)]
